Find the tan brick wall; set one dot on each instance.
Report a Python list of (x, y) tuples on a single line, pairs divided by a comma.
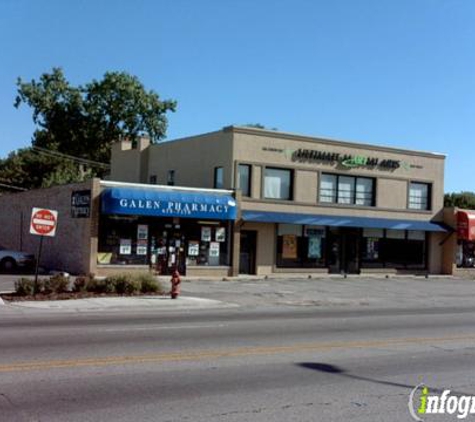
[(70, 249), (265, 253), (275, 149)]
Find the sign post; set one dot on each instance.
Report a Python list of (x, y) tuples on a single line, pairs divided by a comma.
[(43, 223)]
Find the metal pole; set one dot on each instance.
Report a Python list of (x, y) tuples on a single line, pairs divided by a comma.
[(38, 265)]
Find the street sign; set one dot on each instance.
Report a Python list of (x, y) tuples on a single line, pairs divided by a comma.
[(43, 222)]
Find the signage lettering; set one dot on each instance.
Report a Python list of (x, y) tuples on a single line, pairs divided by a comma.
[(172, 207), (348, 160), (81, 203)]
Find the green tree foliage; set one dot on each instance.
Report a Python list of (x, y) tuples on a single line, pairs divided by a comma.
[(462, 200), (81, 121)]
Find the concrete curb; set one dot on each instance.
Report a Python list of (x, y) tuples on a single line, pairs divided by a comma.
[(140, 302)]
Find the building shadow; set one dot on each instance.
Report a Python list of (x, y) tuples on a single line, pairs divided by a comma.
[(341, 372)]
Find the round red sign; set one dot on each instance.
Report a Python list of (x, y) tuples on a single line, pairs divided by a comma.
[(43, 222)]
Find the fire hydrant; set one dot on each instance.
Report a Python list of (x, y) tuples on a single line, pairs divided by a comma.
[(175, 280)]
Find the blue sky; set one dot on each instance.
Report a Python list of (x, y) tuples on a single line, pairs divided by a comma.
[(390, 72)]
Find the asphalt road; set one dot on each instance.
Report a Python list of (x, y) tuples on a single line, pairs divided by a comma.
[(231, 365)]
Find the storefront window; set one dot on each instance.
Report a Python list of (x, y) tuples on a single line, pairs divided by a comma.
[(218, 178), (393, 249), (465, 256), (372, 246), (171, 178), (300, 246), (364, 191), (348, 190), (415, 249), (328, 188), (163, 242), (244, 179), (419, 196), (277, 183)]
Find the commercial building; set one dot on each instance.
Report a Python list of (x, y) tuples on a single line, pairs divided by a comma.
[(459, 246), (306, 204), (107, 227), (245, 201)]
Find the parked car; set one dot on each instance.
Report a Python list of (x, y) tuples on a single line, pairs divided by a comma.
[(14, 260)]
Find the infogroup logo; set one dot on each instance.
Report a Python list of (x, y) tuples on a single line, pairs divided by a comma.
[(422, 403)]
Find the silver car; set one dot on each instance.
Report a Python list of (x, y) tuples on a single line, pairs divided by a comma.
[(14, 260)]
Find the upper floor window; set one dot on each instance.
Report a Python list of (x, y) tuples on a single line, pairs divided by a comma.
[(419, 196), (277, 183), (218, 178), (244, 179), (351, 190), (171, 178)]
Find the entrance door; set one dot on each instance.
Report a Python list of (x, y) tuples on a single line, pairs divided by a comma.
[(170, 253), (344, 250), (351, 251), (247, 256)]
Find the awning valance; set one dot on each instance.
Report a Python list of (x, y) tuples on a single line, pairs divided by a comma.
[(466, 225), (167, 203), (340, 221)]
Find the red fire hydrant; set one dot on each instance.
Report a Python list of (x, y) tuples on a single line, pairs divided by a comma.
[(175, 280)]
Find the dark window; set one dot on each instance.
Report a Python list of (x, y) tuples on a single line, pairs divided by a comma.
[(350, 190), (278, 183), (419, 196), (393, 249), (371, 255), (153, 180), (244, 179), (300, 246), (218, 178), (171, 177)]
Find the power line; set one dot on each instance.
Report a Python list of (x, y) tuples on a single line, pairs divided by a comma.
[(57, 154), (4, 185)]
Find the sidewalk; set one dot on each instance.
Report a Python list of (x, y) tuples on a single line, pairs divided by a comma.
[(324, 292)]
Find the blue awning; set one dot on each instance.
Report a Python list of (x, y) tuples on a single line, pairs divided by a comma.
[(168, 203), (336, 221)]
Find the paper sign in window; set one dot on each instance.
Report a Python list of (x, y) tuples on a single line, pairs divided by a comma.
[(289, 246)]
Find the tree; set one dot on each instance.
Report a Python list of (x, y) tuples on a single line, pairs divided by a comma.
[(82, 121), (462, 200), (27, 169)]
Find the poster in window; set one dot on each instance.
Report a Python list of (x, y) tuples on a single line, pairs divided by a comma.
[(214, 249), (314, 247), (372, 248), (125, 247), (142, 231), (206, 234), (289, 246), (193, 248), (141, 247), (220, 234)]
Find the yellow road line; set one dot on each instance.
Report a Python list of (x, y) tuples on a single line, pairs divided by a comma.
[(222, 353)]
